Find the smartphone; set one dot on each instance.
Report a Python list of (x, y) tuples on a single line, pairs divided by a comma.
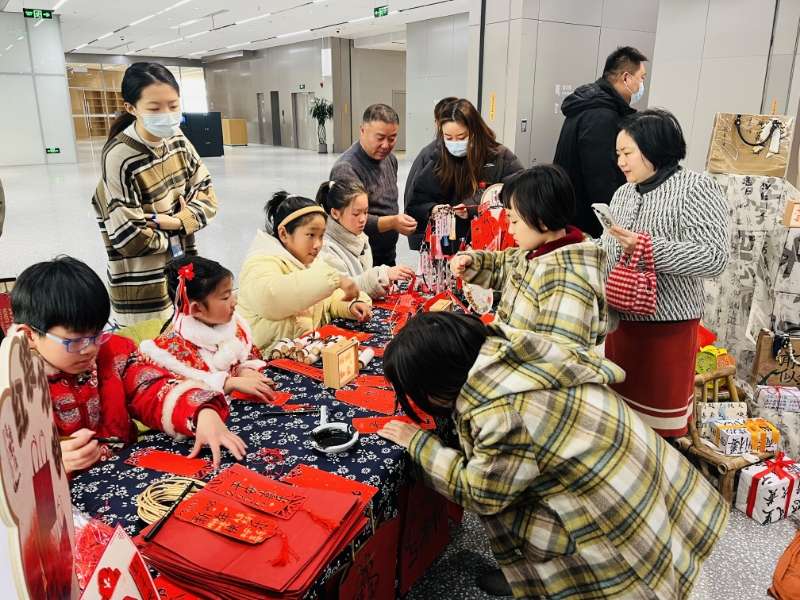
[(603, 214)]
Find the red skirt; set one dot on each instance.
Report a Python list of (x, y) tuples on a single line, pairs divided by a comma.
[(659, 362)]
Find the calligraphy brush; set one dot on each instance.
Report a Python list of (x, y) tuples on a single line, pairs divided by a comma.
[(157, 527), (289, 412), (102, 440)]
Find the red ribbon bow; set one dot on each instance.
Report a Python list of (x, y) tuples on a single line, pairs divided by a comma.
[(776, 466), (185, 273)]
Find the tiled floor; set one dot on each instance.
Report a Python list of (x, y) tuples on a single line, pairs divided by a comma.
[(49, 213)]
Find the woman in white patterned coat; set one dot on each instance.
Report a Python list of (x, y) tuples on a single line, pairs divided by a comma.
[(685, 214)]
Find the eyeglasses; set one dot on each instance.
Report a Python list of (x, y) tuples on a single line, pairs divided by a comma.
[(76, 345)]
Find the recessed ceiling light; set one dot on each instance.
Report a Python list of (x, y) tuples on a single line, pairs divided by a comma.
[(256, 18), (194, 35), (360, 20), (184, 24), (142, 20), (176, 5), (165, 43), (59, 4), (105, 35), (198, 52), (81, 46), (239, 44), (9, 47), (302, 31), (22, 37)]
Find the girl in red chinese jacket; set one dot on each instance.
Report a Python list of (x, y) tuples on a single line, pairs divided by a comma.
[(98, 381), (207, 341)]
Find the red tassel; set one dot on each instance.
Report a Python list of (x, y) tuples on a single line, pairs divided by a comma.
[(328, 524), (286, 554)]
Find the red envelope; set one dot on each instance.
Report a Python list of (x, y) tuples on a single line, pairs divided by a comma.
[(306, 476), (216, 514), (374, 381), (331, 330), (278, 398), (169, 462), (374, 424), (374, 399)]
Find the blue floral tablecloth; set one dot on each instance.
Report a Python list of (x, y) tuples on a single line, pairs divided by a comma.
[(108, 490)]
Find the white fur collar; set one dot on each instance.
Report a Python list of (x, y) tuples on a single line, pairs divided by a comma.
[(219, 345)]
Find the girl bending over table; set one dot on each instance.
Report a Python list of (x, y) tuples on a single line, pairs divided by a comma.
[(284, 290), (207, 340), (580, 498)]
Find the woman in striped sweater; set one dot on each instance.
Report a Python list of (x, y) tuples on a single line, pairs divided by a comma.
[(153, 195), (686, 216)]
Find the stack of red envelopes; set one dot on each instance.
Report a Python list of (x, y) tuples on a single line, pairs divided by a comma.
[(247, 536)]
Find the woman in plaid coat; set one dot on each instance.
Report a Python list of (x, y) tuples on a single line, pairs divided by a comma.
[(579, 497)]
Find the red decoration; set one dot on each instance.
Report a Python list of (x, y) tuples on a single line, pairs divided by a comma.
[(169, 591), (107, 581), (375, 424), (310, 477), (169, 462), (254, 491), (378, 381), (285, 364), (374, 399), (141, 578), (327, 331), (91, 540), (185, 273), (278, 398), (776, 466), (372, 573), (227, 518)]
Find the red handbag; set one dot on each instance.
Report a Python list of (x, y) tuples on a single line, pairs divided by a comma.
[(631, 288)]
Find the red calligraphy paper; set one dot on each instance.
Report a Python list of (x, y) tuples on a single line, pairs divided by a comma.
[(141, 578), (240, 484), (296, 407), (327, 331), (227, 518), (169, 591), (374, 399), (169, 462), (307, 476), (285, 364), (372, 572), (276, 399), (375, 424), (373, 381)]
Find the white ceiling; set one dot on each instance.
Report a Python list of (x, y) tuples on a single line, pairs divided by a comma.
[(184, 28)]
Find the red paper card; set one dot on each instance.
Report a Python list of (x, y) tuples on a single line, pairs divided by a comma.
[(238, 483), (374, 424), (372, 573), (331, 330), (306, 476), (169, 591), (220, 516), (285, 364), (141, 578), (278, 398), (296, 407), (374, 399), (374, 381), (169, 462)]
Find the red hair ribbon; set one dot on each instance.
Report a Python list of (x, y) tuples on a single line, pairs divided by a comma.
[(185, 273)]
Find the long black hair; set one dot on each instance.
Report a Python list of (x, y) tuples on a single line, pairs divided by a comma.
[(431, 358), (281, 205), (339, 194), (63, 291), (137, 77)]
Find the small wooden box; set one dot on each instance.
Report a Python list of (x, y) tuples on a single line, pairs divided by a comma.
[(791, 217), (340, 363), (441, 305)]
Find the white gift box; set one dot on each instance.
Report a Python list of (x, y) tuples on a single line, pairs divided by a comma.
[(731, 436), (769, 491), (716, 411), (778, 397)]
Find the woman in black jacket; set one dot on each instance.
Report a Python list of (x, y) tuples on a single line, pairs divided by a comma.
[(467, 159)]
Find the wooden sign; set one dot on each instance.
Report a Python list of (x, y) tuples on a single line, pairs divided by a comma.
[(340, 363), (35, 506), (121, 573)]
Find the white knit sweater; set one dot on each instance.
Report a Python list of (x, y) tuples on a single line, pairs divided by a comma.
[(687, 218)]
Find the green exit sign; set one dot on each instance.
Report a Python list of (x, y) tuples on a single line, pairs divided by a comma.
[(381, 11), (53, 150), (37, 13)]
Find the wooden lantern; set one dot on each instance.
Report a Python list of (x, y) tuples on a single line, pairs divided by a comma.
[(340, 363)]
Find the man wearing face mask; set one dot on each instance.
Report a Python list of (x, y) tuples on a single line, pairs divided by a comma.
[(371, 162), (586, 146), (154, 194)]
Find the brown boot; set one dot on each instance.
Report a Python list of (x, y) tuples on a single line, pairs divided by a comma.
[(494, 583)]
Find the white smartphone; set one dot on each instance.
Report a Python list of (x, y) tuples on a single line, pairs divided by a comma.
[(603, 214)]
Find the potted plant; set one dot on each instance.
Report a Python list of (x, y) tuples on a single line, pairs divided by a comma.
[(321, 111)]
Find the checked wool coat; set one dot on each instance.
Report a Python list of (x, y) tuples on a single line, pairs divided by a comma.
[(579, 497)]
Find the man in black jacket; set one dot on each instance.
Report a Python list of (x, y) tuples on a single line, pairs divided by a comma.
[(587, 145)]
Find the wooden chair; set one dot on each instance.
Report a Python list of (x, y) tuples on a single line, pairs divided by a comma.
[(713, 464)]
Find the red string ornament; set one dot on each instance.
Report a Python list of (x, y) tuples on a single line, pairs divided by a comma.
[(185, 273)]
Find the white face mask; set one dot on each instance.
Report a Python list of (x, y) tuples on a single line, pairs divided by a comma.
[(162, 125), (637, 95), (457, 148)]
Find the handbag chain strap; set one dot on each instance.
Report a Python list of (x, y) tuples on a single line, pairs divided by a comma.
[(775, 125), (787, 345)]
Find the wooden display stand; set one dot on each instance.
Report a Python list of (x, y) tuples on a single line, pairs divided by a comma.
[(35, 505), (340, 363), (234, 132), (714, 464)]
